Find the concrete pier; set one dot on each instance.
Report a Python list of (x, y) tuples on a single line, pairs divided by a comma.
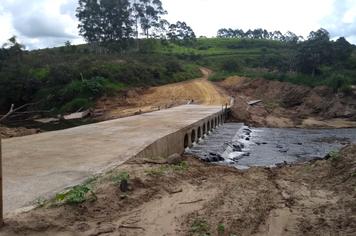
[(44, 164)]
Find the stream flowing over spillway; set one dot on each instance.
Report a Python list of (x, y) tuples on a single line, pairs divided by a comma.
[(243, 147)]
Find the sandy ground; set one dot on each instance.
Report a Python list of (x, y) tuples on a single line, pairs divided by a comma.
[(315, 198), (201, 91)]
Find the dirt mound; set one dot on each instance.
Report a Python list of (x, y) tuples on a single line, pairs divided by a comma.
[(194, 198), (6, 132), (289, 105)]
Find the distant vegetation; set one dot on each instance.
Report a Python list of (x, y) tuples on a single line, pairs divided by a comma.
[(116, 57)]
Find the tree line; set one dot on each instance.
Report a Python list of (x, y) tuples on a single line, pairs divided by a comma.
[(121, 21), (306, 55), (259, 34)]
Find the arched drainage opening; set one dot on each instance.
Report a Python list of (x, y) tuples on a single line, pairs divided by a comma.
[(216, 122), (186, 141), (212, 124), (199, 133), (193, 136), (204, 129), (208, 126)]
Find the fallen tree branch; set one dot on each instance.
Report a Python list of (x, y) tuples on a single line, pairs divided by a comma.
[(14, 110), (131, 227), (184, 203)]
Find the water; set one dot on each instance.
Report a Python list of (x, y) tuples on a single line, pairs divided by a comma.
[(243, 147)]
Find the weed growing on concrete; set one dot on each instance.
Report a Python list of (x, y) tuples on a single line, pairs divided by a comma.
[(40, 202), (200, 227)]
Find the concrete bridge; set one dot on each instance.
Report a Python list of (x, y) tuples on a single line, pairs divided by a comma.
[(44, 164)]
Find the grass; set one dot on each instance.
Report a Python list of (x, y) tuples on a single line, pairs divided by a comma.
[(334, 156), (162, 170), (221, 229), (122, 176), (78, 194), (200, 227)]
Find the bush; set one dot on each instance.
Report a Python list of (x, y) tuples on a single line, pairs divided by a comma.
[(230, 65), (76, 104)]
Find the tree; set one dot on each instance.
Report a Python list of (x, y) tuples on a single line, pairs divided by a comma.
[(181, 32), (148, 13), (105, 20), (291, 37), (314, 52), (342, 50), (13, 47)]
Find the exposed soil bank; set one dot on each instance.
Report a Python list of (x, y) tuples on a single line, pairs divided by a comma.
[(316, 198), (288, 105)]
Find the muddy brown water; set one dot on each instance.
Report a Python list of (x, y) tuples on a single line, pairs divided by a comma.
[(243, 147)]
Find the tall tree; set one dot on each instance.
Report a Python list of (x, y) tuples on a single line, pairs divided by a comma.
[(105, 20), (148, 14), (181, 32), (314, 52)]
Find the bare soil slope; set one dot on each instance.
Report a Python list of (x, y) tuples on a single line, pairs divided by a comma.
[(201, 91), (289, 105), (198, 199)]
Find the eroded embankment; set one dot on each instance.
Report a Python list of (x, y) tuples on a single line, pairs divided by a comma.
[(288, 105), (193, 198)]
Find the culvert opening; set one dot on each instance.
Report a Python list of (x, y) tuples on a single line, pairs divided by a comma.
[(193, 136), (199, 133), (208, 126), (204, 129), (186, 141)]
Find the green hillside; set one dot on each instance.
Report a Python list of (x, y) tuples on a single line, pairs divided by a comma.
[(68, 78)]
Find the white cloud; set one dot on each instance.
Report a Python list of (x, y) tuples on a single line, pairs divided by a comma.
[(40, 23), (206, 17), (342, 20), (47, 23)]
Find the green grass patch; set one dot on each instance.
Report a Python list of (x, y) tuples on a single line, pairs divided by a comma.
[(78, 194), (221, 229), (164, 169), (122, 176), (200, 227)]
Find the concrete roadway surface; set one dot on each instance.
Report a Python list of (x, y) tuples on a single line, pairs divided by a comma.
[(44, 164)]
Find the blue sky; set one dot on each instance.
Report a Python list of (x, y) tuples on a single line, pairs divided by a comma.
[(48, 23)]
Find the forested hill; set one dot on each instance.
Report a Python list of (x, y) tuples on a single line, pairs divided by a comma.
[(67, 78), (140, 48)]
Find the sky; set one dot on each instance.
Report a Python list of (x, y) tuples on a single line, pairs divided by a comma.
[(49, 23)]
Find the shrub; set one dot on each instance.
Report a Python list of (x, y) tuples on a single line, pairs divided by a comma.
[(230, 65), (76, 195), (75, 105), (120, 177)]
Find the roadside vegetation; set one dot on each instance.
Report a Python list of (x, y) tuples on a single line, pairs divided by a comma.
[(143, 50)]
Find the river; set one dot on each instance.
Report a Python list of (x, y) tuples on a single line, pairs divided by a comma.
[(243, 147)]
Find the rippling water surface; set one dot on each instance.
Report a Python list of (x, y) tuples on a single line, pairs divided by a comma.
[(243, 147)]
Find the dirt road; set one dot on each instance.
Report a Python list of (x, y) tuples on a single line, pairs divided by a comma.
[(200, 90)]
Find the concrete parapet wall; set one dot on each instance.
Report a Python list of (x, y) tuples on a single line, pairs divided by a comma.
[(178, 141)]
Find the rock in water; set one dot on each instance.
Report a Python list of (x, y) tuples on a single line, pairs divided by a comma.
[(175, 159)]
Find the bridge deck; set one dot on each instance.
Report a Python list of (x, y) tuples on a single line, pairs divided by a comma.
[(43, 164)]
